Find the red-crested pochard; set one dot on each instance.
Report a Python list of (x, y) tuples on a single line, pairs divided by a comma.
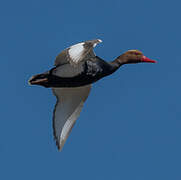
[(76, 68)]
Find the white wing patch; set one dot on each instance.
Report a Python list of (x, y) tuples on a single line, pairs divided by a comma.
[(67, 109), (82, 51), (76, 52)]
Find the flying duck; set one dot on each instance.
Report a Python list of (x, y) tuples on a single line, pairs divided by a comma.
[(74, 71)]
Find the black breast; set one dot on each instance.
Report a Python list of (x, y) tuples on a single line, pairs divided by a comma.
[(97, 68)]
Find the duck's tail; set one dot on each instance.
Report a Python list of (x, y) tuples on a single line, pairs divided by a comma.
[(40, 79)]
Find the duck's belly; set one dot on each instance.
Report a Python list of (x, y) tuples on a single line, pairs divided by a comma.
[(77, 81)]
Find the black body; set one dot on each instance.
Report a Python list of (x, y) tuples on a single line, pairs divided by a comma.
[(94, 69)]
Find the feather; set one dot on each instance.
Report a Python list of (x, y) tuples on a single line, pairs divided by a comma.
[(67, 109), (77, 53)]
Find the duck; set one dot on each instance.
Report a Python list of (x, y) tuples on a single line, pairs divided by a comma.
[(75, 69)]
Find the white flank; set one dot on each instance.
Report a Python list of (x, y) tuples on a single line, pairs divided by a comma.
[(68, 70), (76, 52)]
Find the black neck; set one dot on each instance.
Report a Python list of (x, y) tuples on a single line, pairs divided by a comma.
[(116, 64)]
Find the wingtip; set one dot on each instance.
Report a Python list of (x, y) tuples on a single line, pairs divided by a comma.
[(59, 149), (59, 145), (100, 41), (96, 41)]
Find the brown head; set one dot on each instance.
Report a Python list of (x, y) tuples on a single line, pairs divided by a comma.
[(133, 56)]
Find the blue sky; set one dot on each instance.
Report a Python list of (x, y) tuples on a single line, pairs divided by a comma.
[(130, 125)]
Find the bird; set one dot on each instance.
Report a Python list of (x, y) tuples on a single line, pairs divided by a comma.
[(75, 69)]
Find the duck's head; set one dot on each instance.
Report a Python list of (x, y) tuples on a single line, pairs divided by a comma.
[(133, 56)]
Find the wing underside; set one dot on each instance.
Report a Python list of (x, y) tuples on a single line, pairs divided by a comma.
[(67, 109)]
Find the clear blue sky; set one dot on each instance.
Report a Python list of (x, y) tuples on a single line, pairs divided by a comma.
[(130, 127)]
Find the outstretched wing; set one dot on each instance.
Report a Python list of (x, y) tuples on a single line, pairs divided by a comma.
[(77, 53), (67, 109)]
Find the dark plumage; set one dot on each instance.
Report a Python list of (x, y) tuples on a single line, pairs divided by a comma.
[(76, 68)]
